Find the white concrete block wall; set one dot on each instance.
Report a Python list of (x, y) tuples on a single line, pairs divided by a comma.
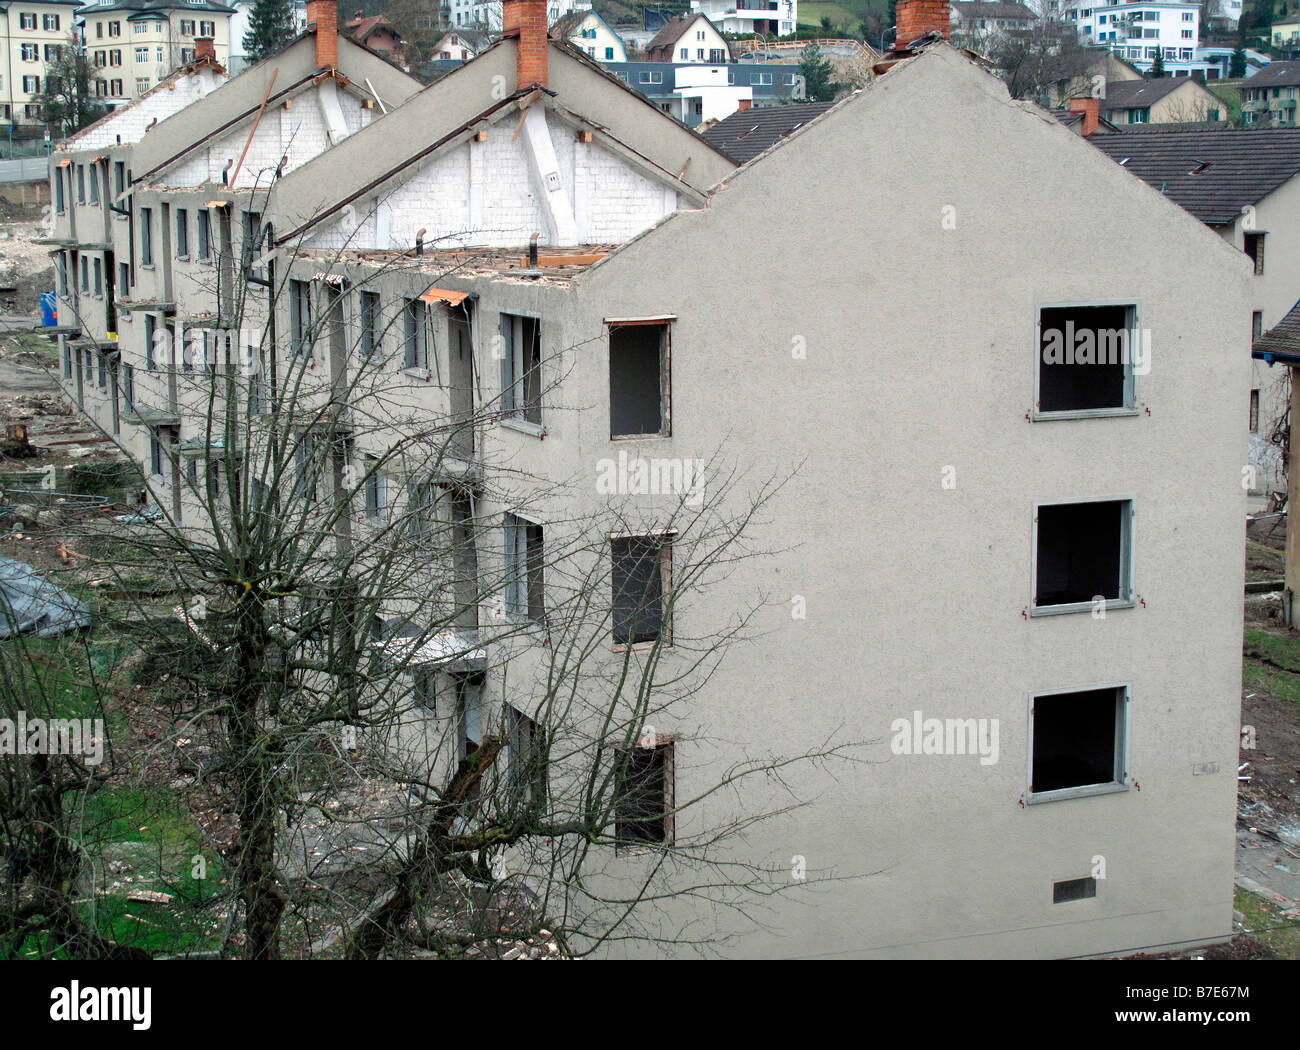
[(130, 122), (613, 202)]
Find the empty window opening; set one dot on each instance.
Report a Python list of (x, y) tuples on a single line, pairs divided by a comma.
[(521, 368), (638, 380), (642, 568), (300, 317), (526, 758), (1083, 553), (464, 560), (1074, 890), (1254, 247), (1086, 358), (524, 562), (369, 323), (1254, 411), (644, 785), (376, 489), (416, 341), (1078, 740)]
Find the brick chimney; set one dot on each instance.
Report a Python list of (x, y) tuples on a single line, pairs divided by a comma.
[(205, 47), (744, 104), (526, 19), (918, 17), (324, 14), (1091, 110)]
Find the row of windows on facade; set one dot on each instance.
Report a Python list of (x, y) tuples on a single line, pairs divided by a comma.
[(188, 27), (651, 76), (49, 23), (113, 56)]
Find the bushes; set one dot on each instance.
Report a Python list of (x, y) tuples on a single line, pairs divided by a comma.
[(101, 479)]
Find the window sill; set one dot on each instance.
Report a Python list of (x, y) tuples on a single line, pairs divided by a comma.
[(1081, 607), (523, 426), (423, 374), (182, 258), (658, 436), (641, 647), (1088, 791), (1084, 413)]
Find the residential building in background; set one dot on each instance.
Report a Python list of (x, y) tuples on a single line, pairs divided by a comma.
[(486, 14), (765, 17), (1163, 100), (689, 38), (1138, 32), (133, 44), (377, 33), (979, 21), (460, 45), (590, 33), (34, 33), (1270, 96)]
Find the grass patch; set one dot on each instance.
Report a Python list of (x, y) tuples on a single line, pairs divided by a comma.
[(1266, 922), (811, 14), (36, 344)]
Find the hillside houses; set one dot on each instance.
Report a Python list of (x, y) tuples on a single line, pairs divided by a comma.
[(534, 264)]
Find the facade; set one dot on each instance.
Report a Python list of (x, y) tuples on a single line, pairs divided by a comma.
[(486, 14), (747, 17), (460, 44), (1139, 31), (1164, 100), (134, 44), (689, 39), (1269, 97), (33, 34), (1286, 35), (554, 264), (977, 20), (588, 32), (120, 276)]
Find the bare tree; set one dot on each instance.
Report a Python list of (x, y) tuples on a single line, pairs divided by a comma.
[(324, 540)]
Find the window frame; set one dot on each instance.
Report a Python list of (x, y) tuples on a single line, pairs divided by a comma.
[(667, 538), (630, 846), (513, 414), (1131, 392), (665, 324), (1127, 598), (1123, 720), (524, 582)]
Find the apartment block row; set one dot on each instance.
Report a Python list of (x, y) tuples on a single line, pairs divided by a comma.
[(1002, 457)]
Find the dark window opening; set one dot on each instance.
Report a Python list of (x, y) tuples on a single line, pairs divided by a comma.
[(521, 367), (524, 568), (644, 795), (641, 567), (1077, 740), (300, 340), (1074, 890), (1254, 247), (638, 380), (1254, 411), (1085, 358), (369, 323), (526, 767), (1082, 552)]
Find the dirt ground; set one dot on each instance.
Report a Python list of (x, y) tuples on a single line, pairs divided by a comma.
[(25, 268)]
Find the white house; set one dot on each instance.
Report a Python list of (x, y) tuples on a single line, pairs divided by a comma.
[(772, 17), (486, 14), (1140, 31), (590, 33)]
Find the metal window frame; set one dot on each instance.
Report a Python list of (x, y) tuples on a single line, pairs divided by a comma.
[(1130, 407), (1126, 599), (1122, 767)]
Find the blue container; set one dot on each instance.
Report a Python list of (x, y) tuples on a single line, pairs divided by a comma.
[(49, 312)]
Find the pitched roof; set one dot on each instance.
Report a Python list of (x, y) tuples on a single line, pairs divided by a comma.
[(1213, 172), (673, 30), (476, 39), (746, 134), (1123, 94), (146, 8), (1283, 336), (564, 26), (361, 28), (1275, 74)]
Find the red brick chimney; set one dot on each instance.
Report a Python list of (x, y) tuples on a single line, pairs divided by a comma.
[(1091, 110), (324, 14), (918, 17), (744, 104), (205, 47), (526, 19)]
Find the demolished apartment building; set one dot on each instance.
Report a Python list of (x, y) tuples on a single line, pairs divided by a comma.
[(1082, 520), (130, 265)]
